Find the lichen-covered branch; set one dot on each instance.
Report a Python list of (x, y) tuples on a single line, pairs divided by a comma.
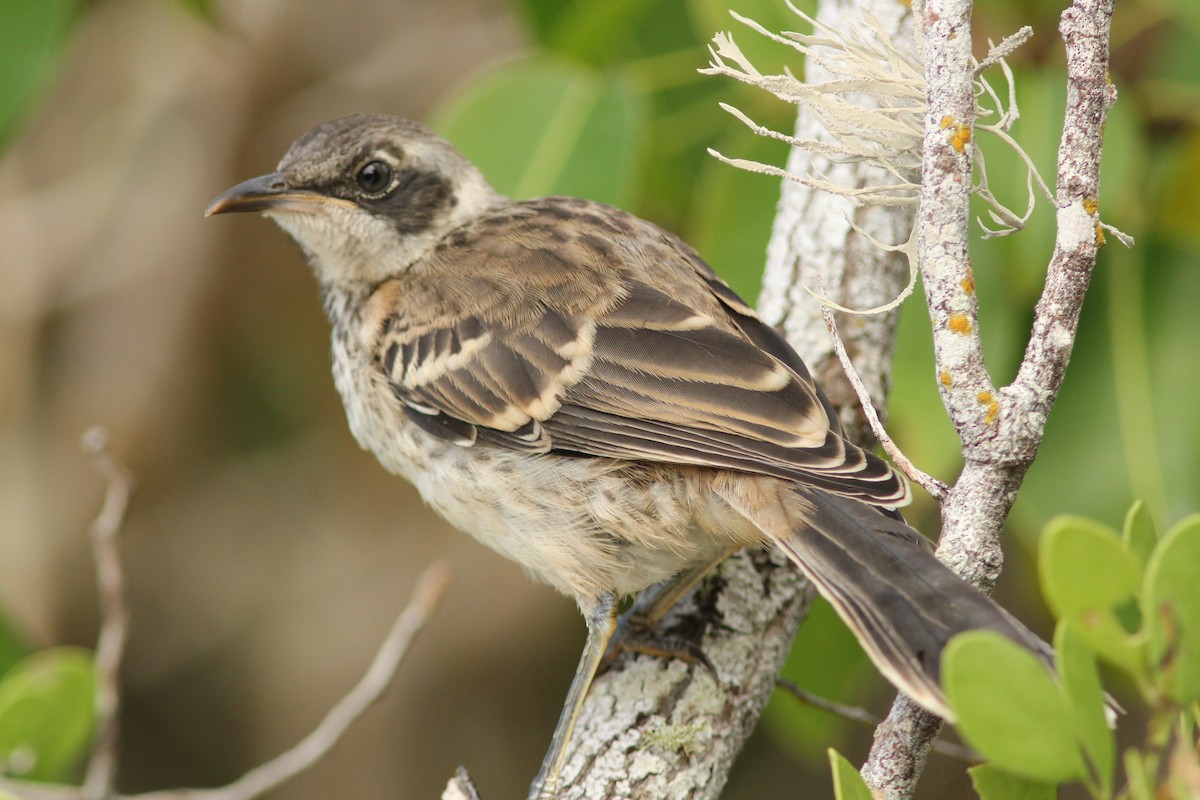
[(1000, 430), (943, 221), (666, 729)]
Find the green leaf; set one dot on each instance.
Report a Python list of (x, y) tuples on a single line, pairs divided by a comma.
[(1089, 577), (1172, 609), (1081, 685), (847, 783), (993, 783), (1084, 568), (1010, 709), (548, 127), (1138, 532), (32, 35), (46, 713)]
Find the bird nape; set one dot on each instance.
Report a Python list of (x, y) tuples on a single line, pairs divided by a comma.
[(576, 388)]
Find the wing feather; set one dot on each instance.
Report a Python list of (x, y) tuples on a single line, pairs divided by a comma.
[(665, 364)]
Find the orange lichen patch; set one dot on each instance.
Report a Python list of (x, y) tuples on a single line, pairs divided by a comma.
[(959, 323), (1091, 205), (947, 121), (1099, 235), (945, 379), (968, 285), (960, 137), (993, 407)]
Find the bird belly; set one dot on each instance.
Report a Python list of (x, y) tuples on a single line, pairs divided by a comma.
[(586, 526)]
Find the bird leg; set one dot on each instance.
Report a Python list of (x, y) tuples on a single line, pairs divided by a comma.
[(601, 622), (636, 629)]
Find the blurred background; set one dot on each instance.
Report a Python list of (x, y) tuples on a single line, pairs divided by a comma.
[(267, 555)]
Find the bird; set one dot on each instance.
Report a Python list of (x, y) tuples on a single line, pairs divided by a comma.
[(578, 389)]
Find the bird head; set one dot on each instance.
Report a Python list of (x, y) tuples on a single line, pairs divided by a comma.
[(365, 196)]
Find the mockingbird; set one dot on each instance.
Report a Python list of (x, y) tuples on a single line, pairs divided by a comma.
[(577, 388)]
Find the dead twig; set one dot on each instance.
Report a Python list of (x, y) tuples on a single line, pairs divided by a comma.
[(105, 533), (864, 717), (937, 489)]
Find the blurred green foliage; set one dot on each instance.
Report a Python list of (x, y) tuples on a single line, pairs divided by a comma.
[(33, 34), (12, 645)]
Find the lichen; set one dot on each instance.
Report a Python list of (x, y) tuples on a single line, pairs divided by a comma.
[(959, 323), (993, 407)]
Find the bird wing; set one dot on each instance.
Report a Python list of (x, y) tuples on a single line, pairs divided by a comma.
[(614, 343)]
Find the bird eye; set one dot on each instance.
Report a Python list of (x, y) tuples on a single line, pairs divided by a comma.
[(375, 177)]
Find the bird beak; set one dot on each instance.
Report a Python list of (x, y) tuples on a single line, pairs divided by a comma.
[(269, 193)]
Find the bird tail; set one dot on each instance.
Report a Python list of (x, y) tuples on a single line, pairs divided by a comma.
[(902, 604)]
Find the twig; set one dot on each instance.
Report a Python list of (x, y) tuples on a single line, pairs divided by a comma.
[(100, 777), (312, 748), (461, 787), (937, 489), (864, 717), (999, 52)]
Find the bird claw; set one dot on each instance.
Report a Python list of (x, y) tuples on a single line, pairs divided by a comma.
[(636, 634)]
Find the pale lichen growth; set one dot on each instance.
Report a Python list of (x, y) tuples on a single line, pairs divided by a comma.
[(1076, 227), (682, 738), (864, 61), (887, 132)]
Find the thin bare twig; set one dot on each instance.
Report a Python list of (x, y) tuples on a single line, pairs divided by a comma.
[(312, 748), (997, 53), (937, 489), (864, 717), (100, 778)]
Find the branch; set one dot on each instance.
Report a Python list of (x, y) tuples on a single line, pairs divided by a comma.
[(943, 222), (828, 240), (1000, 430), (100, 777), (655, 728)]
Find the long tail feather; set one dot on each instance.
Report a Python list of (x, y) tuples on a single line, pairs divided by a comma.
[(902, 604)]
